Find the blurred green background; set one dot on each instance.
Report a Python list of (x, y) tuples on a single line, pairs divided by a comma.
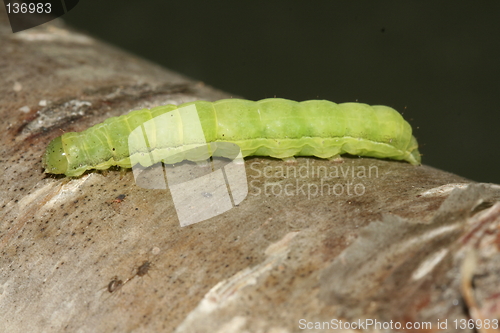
[(437, 62)]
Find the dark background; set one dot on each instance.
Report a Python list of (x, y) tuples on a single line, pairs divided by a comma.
[(437, 62)]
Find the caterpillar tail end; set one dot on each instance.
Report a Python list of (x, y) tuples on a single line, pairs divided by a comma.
[(415, 157), (54, 160)]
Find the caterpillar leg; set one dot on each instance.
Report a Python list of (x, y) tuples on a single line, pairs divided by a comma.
[(290, 160), (203, 164), (123, 172), (336, 159), (239, 161)]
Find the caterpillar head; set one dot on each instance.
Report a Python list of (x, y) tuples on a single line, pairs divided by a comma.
[(55, 161)]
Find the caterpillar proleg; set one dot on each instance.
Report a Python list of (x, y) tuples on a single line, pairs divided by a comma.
[(273, 127)]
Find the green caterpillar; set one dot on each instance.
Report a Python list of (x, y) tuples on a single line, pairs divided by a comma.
[(273, 127)]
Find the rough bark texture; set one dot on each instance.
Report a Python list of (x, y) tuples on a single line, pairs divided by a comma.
[(397, 244)]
